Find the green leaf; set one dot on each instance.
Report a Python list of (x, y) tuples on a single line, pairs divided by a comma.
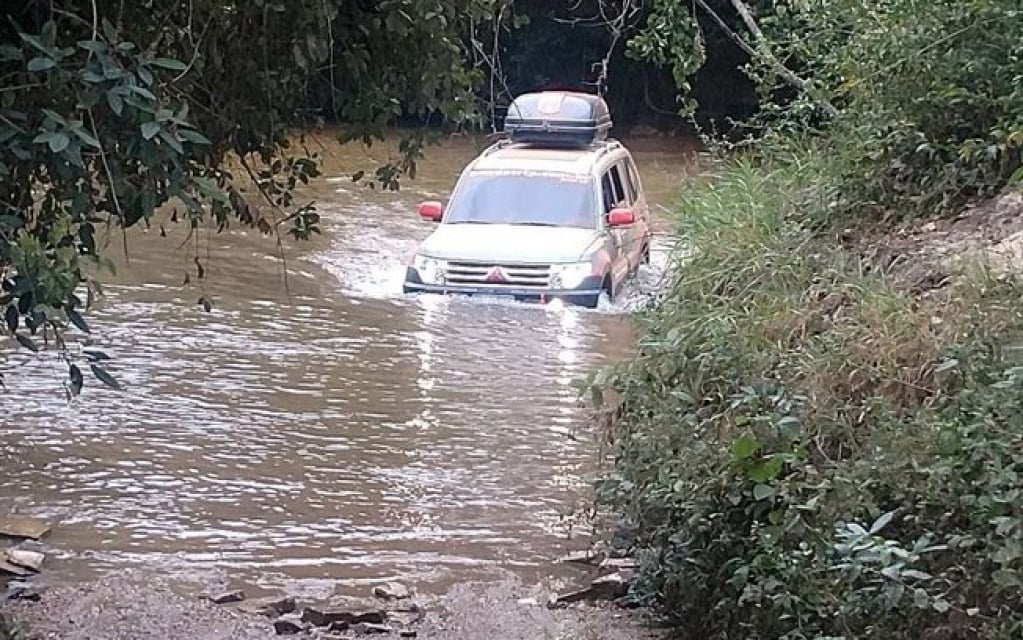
[(169, 63), (59, 141), (142, 91), (744, 447), (763, 492), (92, 77), (76, 319), (37, 43), (54, 116), (881, 522), (93, 46), (94, 355), (104, 377), (87, 138), (27, 342), (115, 102), (11, 316), (767, 470), (171, 141), (150, 129), (209, 189), (193, 136), (76, 380), (41, 64)]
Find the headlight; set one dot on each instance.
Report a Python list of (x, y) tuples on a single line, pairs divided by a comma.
[(570, 276), (431, 270)]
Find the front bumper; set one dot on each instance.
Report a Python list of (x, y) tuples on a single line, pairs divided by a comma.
[(586, 293)]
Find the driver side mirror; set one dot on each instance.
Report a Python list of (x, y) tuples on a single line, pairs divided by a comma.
[(621, 217), (431, 210)]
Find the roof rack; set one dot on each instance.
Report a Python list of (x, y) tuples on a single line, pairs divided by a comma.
[(601, 146)]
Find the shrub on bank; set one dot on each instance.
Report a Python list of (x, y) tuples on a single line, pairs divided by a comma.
[(808, 452)]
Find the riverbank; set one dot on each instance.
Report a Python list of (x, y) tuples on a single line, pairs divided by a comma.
[(141, 606), (820, 435)]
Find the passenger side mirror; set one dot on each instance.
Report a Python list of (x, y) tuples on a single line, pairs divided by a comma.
[(431, 210), (621, 217)]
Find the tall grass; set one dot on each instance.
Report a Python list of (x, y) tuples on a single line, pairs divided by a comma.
[(808, 451)]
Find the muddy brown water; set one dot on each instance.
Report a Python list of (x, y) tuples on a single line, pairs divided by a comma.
[(326, 435)]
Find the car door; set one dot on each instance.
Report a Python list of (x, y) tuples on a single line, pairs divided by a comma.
[(639, 232), (613, 195)]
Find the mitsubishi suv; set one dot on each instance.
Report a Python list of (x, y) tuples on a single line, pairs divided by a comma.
[(553, 211)]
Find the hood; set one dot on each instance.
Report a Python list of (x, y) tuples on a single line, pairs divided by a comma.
[(505, 243)]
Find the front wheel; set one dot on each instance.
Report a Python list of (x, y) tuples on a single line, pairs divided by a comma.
[(592, 302)]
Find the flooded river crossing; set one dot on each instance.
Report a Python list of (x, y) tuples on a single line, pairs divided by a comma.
[(326, 435)]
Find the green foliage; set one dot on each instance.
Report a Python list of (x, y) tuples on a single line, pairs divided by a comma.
[(929, 94), (807, 452), (671, 37), (110, 111)]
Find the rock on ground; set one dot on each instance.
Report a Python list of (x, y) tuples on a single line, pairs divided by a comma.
[(510, 612), (130, 606), (21, 527), (133, 607)]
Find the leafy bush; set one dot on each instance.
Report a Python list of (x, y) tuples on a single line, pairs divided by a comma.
[(112, 112), (807, 452), (931, 94), (922, 101)]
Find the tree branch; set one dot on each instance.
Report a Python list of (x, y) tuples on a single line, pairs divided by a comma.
[(763, 52)]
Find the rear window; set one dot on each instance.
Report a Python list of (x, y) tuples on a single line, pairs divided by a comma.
[(546, 199)]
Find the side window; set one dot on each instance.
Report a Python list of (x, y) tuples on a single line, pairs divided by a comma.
[(630, 178), (607, 193), (619, 189)]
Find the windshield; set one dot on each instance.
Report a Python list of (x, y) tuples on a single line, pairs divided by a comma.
[(547, 199)]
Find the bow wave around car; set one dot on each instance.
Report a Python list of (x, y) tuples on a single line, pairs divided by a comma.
[(554, 211)]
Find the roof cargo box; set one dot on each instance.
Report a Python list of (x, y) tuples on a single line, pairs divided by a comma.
[(558, 119)]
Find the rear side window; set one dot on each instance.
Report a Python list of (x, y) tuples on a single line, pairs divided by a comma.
[(612, 189), (631, 180), (619, 185)]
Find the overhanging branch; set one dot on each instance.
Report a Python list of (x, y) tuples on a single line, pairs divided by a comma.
[(763, 52)]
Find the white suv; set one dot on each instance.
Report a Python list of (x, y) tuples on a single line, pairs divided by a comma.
[(556, 211)]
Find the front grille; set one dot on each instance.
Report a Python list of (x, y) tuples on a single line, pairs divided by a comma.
[(511, 275)]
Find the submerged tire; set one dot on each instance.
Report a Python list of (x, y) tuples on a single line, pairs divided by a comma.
[(592, 302)]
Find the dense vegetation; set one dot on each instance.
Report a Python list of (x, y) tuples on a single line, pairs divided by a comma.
[(806, 449), (110, 109)]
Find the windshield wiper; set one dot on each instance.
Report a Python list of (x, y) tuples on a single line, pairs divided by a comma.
[(537, 224)]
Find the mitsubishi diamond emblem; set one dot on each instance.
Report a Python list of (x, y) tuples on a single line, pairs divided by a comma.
[(497, 274)]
